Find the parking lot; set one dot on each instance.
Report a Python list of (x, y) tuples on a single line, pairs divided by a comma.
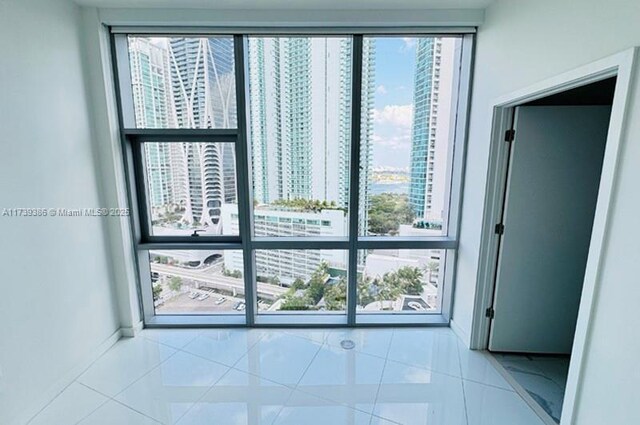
[(182, 303)]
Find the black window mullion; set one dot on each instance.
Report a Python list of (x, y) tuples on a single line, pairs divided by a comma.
[(243, 171), (140, 177), (354, 175)]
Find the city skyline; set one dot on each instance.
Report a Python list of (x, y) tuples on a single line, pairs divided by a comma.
[(202, 176), (299, 121)]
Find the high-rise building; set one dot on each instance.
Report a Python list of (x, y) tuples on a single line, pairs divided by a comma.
[(300, 121), (203, 90), (300, 106), (288, 265), (151, 90), (366, 134), (430, 133)]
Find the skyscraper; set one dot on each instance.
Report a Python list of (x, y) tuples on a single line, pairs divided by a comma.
[(151, 91), (300, 106), (300, 121), (430, 133), (366, 132), (203, 90)]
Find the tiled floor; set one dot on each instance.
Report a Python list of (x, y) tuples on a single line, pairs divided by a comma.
[(234, 377), (543, 377)]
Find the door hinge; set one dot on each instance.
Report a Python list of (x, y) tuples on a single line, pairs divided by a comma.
[(509, 135), (499, 229), (490, 313)]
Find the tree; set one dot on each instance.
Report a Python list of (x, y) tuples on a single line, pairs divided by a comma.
[(274, 280), (175, 283), (335, 296), (365, 290), (314, 205), (231, 273), (294, 302), (298, 284), (410, 280), (157, 290), (315, 291), (388, 211), (317, 283), (388, 288)]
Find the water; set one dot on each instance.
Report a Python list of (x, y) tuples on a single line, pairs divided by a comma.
[(378, 188)]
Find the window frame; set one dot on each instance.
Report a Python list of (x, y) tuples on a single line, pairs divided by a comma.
[(132, 140)]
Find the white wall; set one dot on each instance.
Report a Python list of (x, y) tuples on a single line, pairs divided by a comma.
[(56, 302), (520, 43)]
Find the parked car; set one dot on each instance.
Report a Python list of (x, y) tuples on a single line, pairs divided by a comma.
[(220, 300), (203, 297)]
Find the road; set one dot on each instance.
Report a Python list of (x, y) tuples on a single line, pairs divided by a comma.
[(216, 281)]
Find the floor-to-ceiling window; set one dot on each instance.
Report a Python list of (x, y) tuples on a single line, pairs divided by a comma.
[(294, 179)]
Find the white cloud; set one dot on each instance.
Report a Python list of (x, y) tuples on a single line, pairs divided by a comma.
[(395, 142), (409, 43), (400, 139), (381, 89), (394, 115)]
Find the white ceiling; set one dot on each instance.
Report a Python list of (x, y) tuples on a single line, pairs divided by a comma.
[(293, 4)]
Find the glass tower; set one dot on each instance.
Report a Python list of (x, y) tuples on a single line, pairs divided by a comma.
[(421, 171), (203, 89), (150, 86)]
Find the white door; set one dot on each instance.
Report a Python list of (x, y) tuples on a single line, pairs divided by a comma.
[(554, 174)]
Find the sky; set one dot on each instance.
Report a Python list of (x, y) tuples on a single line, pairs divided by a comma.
[(394, 74)]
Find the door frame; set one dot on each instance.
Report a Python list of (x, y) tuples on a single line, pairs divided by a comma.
[(620, 65)]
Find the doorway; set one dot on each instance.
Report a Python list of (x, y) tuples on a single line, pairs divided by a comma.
[(555, 151)]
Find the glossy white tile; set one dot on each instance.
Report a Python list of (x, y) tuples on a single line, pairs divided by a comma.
[(476, 367), (223, 346), (123, 364), (435, 350), (114, 413), (239, 398), (299, 376), (370, 341), (315, 335), (176, 338), (344, 376), (168, 391), (411, 395), (307, 409), (279, 357), (487, 405), (72, 405)]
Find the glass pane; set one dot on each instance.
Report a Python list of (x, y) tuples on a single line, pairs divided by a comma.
[(188, 187), (300, 100), (197, 282), (301, 280), (400, 281), (181, 82), (410, 106)]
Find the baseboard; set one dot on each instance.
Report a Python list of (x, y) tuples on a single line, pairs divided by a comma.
[(131, 331), (47, 397), (462, 334)]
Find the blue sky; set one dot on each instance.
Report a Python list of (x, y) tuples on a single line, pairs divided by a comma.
[(395, 63)]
